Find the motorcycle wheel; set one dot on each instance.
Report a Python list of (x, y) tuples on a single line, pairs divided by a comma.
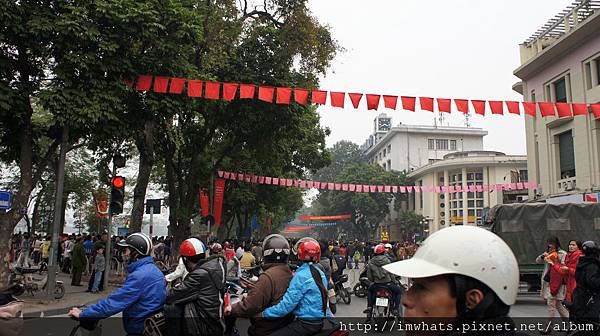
[(359, 291), (345, 295), (59, 291)]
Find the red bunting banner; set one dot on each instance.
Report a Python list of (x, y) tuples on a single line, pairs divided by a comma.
[(370, 188), (310, 218), (282, 95)]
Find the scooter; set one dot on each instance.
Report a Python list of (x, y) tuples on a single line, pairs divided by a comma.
[(382, 312), (341, 291), (362, 286), (33, 282)]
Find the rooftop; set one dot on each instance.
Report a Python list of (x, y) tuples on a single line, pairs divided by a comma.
[(472, 159)]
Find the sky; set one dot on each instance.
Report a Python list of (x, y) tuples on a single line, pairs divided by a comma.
[(437, 48)]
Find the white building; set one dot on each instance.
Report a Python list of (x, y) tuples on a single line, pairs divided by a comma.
[(409, 147), (561, 63), (464, 169)]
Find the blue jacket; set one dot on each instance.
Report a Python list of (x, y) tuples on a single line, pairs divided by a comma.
[(302, 297), (143, 294)]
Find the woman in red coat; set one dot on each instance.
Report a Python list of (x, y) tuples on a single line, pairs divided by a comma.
[(568, 269)]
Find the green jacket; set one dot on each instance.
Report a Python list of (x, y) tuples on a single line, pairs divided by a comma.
[(78, 259), (375, 271)]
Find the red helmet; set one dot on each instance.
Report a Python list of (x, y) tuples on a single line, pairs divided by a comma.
[(379, 249), (309, 251), (192, 247)]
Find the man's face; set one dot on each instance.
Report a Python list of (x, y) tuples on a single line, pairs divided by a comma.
[(104, 237), (429, 298)]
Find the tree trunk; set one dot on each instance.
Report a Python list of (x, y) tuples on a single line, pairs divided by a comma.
[(145, 146)]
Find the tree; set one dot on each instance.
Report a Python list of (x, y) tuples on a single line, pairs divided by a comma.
[(343, 153)]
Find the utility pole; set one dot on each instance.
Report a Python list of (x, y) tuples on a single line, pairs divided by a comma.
[(58, 210), (120, 160)]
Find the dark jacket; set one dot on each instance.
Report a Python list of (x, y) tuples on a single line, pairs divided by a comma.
[(201, 295), (269, 290), (375, 271), (587, 276), (78, 259), (326, 263)]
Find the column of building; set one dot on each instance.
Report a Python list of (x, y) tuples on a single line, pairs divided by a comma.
[(465, 202)]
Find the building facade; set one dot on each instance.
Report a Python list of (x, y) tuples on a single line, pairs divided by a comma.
[(561, 63), (467, 168), (408, 147)]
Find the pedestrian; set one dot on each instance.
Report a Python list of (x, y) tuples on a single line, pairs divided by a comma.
[(37, 243), (357, 258), (247, 262), (24, 251), (553, 288), (78, 262), (88, 245), (45, 248), (99, 268), (100, 241), (257, 252), (568, 269), (586, 306), (67, 249)]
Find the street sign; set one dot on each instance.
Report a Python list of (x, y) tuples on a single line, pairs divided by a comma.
[(153, 206), (5, 200)]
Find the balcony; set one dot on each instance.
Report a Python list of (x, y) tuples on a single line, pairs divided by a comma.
[(567, 184)]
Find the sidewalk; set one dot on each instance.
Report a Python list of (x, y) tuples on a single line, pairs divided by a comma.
[(74, 296)]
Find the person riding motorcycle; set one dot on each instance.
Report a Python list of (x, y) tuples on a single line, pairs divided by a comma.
[(305, 297), (380, 278), (269, 289), (142, 295), (462, 275), (196, 306)]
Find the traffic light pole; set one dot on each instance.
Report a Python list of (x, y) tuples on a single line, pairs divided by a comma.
[(58, 202), (108, 241)]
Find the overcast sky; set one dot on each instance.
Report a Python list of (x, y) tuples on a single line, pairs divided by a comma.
[(437, 48)]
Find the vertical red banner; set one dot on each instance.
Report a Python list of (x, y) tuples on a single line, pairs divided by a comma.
[(204, 203), (218, 200)]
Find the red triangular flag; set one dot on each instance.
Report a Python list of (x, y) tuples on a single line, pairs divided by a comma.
[(513, 107), (496, 107), (344, 186), (402, 189), (247, 91), (390, 102), (261, 180), (226, 175), (317, 185), (240, 177), (373, 101), (301, 96), (296, 183), (417, 189), (479, 106), (248, 178), (596, 110), (486, 188), (359, 188), (229, 90), (143, 83), (547, 109), (426, 103), (177, 85), (303, 184), (443, 105), (330, 186), (254, 179), (351, 187), (309, 184), (268, 180), (275, 180), (462, 105), (408, 103), (529, 108), (265, 93), (388, 188), (338, 186), (519, 185), (409, 189), (355, 98), (580, 109), (337, 99), (282, 182), (564, 110), (372, 188), (394, 189), (283, 95), (212, 90), (319, 97), (289, 182), (380, 188), (161, 84), (195, 88)]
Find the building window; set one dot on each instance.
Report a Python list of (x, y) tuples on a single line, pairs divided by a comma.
[(453, 145), (384, 152), (560, 90), (592, 73), (383, 165), (533, 96), (431, 143), (523, 175), (389, 149), (441, 144), (567, 155), (389, 164)]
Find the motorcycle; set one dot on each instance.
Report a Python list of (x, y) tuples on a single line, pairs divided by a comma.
[(382, 312), (32, 282), (341, 291), (362, 286)]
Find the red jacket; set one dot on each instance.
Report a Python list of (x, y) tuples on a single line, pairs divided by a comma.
[(571, 261)]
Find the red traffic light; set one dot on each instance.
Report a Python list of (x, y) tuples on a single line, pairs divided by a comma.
[(118, 182)]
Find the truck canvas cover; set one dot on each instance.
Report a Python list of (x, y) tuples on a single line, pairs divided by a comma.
[(525, 227)]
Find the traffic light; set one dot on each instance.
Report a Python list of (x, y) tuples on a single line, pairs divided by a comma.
[(117, 194)]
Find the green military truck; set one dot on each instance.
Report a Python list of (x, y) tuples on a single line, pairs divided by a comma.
[(525, 227)]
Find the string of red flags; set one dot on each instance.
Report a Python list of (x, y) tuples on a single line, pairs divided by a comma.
[(325, 217), (283, 95), (368, 188), (313, 224)]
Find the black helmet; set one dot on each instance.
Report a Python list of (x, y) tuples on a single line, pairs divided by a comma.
[(590, 248), (276, 249), (139, 242)]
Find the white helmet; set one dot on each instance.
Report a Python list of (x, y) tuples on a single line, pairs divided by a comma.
[(468, 251), (388, 245)]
